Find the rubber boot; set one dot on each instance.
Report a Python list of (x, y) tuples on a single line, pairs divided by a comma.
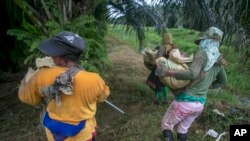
[(168, 135), (181, 137), (158, 97), (165, 94)]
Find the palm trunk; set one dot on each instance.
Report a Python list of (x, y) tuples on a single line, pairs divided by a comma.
[(64, 8), (49, 15), (60, 11), (69, 11), (31, 14)]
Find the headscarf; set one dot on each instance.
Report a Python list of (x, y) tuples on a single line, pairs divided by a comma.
[(211, 48)]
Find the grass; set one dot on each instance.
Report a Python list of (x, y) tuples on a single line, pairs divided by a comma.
[(127, 37), (142, 122), (126, 79), (19, 122), (183, 38)]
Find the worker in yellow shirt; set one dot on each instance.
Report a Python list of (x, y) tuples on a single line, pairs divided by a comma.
[(71, 93)]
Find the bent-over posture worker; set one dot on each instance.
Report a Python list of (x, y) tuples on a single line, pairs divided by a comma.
[(205, 72)]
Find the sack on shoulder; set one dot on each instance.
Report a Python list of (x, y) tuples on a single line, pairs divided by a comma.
[(149, 58), (176, 57), (172, 82)]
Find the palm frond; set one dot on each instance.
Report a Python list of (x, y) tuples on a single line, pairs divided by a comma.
[(134, 15), (229, 15)]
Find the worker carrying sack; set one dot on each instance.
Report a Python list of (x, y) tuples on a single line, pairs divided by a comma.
[(175, 62), (172, 82)]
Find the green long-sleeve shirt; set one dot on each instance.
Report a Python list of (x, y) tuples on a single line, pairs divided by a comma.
[(215, 77)]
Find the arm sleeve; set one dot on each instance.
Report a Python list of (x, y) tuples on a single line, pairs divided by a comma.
[(194, 69), (28, 92), (104, 90), (221, 79)]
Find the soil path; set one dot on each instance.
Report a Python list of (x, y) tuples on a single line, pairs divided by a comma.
[(126, 73)]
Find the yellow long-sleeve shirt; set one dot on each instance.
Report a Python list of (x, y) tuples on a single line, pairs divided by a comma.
[(88, 88)]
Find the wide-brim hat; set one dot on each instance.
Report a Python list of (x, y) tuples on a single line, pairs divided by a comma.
[(64, 43), (211, 33)]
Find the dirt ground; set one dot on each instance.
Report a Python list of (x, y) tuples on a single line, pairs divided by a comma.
[(127, 67), (126, 78)]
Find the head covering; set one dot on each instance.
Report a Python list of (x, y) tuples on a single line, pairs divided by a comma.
[(211, 48), (211, 33), (63, 43)]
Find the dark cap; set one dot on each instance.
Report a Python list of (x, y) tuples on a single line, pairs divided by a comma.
[(63, 43)]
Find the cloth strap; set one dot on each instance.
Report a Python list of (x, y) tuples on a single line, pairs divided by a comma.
[(63, 83)]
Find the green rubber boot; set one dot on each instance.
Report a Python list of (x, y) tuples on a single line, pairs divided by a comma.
[(158, 96), (165, 94)]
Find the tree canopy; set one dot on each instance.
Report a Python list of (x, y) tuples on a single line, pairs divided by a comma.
[(42, 19)]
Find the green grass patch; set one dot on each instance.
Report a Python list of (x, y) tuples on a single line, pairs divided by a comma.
[(141, 121), (238, 74), (128, 37), (143, 118), (183, 38)]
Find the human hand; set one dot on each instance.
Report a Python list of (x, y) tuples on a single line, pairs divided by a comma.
[(222, 61)]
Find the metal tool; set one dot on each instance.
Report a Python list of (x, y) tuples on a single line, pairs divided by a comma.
[(112, 105)]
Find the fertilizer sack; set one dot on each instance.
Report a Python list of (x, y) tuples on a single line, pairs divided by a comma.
[(172, 82)]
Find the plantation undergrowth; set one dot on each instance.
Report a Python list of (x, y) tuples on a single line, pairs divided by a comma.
[(141, 121)]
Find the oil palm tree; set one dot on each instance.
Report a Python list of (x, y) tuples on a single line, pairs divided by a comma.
[(232, 16), (135, 16), (44, 18)]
